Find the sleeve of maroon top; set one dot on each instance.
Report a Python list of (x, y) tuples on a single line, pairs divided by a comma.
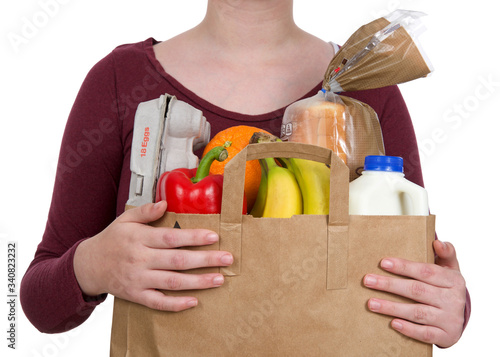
[(400, 140), (398, 132), (83, 204)]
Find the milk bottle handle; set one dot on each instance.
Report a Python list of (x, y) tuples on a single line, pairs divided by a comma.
[(418, 196)]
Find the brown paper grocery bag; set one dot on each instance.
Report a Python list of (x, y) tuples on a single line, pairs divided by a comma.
[(295, 288)]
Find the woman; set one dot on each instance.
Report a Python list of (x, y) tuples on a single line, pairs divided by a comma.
[(243, 64)]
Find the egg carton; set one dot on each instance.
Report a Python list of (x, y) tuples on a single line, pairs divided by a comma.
[(167, 131)]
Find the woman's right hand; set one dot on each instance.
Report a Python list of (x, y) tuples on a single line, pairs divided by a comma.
[(132, 260)]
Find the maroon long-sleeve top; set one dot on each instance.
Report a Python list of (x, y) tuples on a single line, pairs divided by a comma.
[(93, 174)]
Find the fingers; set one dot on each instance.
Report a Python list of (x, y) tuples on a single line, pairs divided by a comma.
[(155, 299), (430, 284), (421, 322), (417, 321), (408, 288), (424, 333), (440, 291), (158, 237), (446, 255), (177, 259), (164, 256), (144, 214), (418, 313), (174, 281), (141, 260), (167, 238), (428, 273)]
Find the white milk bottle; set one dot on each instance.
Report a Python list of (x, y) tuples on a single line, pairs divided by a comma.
[(382, 190)]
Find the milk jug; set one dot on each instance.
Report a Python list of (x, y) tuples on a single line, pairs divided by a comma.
[(382, 190)]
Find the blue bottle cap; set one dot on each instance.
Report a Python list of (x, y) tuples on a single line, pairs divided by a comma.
[(384, 163)]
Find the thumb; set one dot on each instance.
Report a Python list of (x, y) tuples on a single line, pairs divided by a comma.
[(446, 255), (146, 213)]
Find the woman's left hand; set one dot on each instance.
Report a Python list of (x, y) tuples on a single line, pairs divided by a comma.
[(439, 292)]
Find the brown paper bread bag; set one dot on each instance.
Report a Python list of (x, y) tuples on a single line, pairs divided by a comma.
[(382, 53)]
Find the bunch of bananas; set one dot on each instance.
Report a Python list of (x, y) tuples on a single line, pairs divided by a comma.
[(296, 186)]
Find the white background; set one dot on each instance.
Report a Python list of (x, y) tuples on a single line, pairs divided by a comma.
[(453, 110)]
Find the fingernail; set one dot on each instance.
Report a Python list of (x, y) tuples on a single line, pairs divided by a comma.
[(218, 280), (370, 280), (387, 264), (397, 325), (227, 259), (374, 305), (157, 204), (444, 245), (212, 237), (192, 303)]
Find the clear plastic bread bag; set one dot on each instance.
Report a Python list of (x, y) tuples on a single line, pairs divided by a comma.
[(347, 126), (382, 53)]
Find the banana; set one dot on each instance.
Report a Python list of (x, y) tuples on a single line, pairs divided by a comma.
[(314, 181), (283, 198), (260, 201), (312, 178)]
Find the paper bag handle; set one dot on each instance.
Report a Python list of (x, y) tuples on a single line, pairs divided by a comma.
[(338, 218), (234, 177)]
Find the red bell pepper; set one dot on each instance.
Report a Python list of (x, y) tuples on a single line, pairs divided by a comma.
[(194, 190)]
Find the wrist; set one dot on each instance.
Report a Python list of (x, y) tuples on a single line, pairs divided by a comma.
[(86, 269)]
